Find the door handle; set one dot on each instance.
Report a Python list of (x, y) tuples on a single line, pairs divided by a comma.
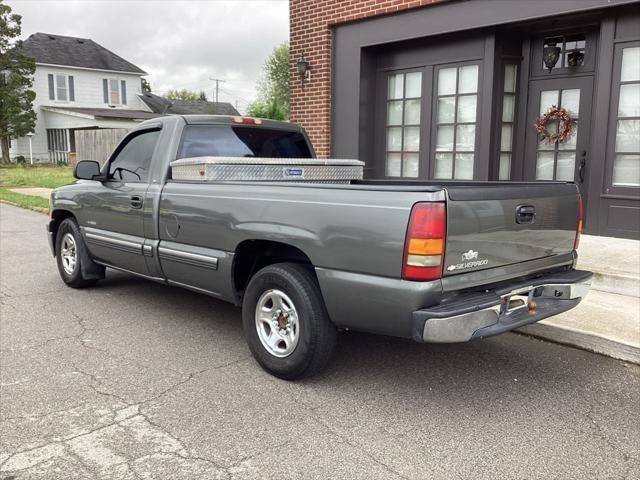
[(136, 201), (582, 166), (525, 214)]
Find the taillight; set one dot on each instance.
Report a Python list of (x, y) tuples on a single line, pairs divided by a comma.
[(247, 120), (424, 245), (576, 242)]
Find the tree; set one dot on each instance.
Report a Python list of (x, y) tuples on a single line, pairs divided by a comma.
[(273, 87), (146, 86), (17, 117), (184, 94)]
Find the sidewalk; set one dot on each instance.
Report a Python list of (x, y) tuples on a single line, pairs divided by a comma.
[(33, 191), (608, 320)]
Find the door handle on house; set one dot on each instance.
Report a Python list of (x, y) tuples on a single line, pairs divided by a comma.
[(582, 166), (136, 201)]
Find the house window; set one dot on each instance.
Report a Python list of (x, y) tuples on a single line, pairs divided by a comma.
[(456, 117), (626, 161), (114, 91), (508, 120), (572, 50), (404, 91), (61, 87)]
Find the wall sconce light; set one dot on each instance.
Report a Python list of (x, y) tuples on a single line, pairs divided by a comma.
[(550, 56), (303, 69)]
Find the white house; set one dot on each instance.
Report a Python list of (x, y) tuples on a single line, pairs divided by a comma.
[(79, 85)]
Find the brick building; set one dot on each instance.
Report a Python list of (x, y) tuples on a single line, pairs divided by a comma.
[(450, 89)]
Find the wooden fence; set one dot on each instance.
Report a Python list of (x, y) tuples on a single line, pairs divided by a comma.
[(97, 144)]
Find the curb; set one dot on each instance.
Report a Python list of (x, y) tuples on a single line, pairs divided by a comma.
[(583, 339), (33, 209)]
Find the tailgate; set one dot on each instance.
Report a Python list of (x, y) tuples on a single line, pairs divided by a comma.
[(494, 225)]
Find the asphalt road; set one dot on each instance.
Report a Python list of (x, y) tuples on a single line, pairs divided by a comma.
[(136, 380)]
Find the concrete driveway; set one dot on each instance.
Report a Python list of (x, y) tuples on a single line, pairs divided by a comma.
[(136, 380)]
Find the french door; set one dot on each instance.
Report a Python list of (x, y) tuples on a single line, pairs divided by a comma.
[(567, 160)]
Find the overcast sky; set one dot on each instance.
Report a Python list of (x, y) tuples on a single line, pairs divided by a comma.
[(180, 43)]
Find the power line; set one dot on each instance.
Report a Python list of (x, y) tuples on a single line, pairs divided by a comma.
[(217, 80)]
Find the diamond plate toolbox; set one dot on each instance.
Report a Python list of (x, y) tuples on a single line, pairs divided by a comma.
[(214, 169)]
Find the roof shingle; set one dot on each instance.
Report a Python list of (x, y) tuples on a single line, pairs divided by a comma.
[(164, 105), (75, 52)]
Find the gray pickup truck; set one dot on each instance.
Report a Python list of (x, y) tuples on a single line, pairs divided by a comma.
[(432, 261)]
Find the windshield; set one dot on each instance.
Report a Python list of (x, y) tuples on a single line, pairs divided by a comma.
[(242, 141)]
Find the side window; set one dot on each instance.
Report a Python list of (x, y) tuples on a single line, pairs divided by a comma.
[(132, 163)]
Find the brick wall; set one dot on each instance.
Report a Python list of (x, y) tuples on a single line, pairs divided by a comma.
[(310, 33)]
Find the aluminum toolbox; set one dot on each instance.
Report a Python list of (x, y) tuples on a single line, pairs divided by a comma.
[(207, 169)]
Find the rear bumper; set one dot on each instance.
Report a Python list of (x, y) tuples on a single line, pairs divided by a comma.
[(511, 306)]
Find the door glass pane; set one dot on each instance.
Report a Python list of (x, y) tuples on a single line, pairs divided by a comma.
[(505, 138), (467, 108), (508, 108), (465, 137), (133, 161), (626, 170), (510, 78), (411, 139), (505, 166), (412, 112), (410, 165), (447, 81), (446, 109), (394, 138), (468, 82), (571, 101), (444, 165), (395, 86), (394, 113), (544, 166), (414, 85), (393, 164), (630, 64), (444, 140), (464, 166), (548, 98), (629, 105), (566, 165), (569, 143), (628, 136)]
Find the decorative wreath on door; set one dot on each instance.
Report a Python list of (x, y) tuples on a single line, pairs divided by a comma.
[(564, 128)]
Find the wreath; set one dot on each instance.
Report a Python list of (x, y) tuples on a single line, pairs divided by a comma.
[(564, 128)]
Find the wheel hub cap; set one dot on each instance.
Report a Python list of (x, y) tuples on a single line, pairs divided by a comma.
[(69, 253), (277, 323)]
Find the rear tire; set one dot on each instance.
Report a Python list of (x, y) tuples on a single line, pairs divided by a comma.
[(71, 255), (286, 323)]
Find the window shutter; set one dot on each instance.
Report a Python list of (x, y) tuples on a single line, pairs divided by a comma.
[(123, 88), (72, 94), (52, 93), (105, 90)]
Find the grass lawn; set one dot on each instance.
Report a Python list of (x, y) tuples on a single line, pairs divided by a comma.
[(25, 201), (47, 176)]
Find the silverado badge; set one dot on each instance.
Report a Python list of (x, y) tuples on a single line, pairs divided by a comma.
[(469, 260)]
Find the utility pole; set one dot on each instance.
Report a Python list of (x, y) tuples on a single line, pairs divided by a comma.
[(217, 80)]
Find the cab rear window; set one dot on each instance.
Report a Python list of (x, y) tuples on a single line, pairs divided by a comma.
[(242, 141)]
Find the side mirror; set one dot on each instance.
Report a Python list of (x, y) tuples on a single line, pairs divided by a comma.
[(87, 170)]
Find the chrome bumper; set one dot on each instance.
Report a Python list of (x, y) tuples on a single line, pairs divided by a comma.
[(491, 313)]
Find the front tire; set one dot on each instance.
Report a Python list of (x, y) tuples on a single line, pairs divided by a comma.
[(71, 255), (286, 323)]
